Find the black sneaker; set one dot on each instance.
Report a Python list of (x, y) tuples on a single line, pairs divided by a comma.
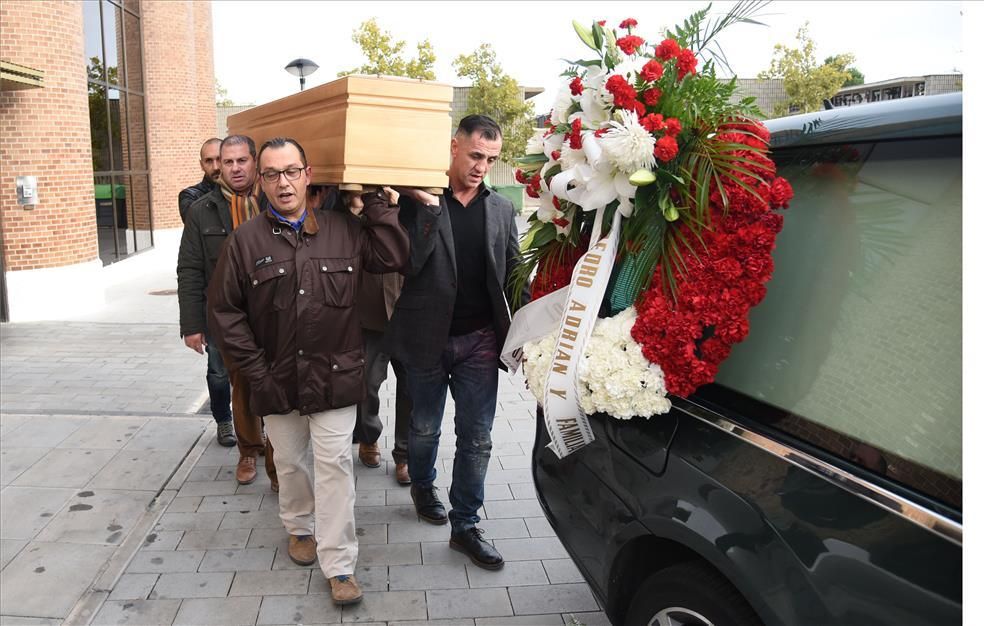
[(225, 434), (428, 505), (480, 551)]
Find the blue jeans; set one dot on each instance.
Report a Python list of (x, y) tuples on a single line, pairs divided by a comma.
[(469, 365), (217, 379)]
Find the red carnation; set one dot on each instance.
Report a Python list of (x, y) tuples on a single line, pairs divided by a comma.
[(672, 127), (521, 178), (600, 132), (668, 49), (628, 23), (638, 107), (630, 43), (651, 96), (686, 64), (555, 155), (652, 122), (623, 93), (652, 71), (576, 87), (666, 148), (601, 22), (576, 134), (782, 192)]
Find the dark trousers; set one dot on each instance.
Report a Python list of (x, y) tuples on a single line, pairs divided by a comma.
[(249, 427), (368, 425), (217, 379)]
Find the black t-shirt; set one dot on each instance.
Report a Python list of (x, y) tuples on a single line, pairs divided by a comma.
[(472, 305)]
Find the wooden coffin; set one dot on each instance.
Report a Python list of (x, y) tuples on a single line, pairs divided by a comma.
[(367, 130)]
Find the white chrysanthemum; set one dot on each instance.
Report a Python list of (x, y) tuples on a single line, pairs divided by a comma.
[(628, 144), (614, 376), (570, 158), (561, 105), (535, 143)]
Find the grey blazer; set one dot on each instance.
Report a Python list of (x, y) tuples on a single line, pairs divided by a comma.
[(418, 330)]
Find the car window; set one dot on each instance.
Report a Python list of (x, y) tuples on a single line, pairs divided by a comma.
[(857, 346)]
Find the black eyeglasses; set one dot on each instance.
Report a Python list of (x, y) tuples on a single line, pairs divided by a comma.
[(291, 173)]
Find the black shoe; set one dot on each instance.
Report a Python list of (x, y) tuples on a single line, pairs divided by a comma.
[(481, 552), (429, 506), (225, 434)]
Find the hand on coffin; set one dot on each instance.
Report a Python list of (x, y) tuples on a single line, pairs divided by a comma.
[(419, 195)]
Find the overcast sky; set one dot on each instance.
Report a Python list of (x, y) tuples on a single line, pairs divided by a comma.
[(255, 40)]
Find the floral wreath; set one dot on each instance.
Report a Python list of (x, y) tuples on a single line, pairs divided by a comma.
[(641, 131)]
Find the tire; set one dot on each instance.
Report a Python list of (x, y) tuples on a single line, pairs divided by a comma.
[(691, 594)]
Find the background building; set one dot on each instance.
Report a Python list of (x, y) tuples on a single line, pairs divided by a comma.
[(111, 136)]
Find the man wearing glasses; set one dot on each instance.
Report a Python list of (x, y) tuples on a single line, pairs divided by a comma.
[(283, 303), (208, 222)]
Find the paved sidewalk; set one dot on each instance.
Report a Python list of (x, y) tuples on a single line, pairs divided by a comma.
[(118, 506)]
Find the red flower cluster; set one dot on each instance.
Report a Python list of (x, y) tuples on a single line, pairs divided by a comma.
[(624, 94), (651, 96), (628, 23), (533, 186), (666, 148), (576, 134), (690, 337), (668, 49), (652, 71), (558, 274), (630, 43), (577, 88)]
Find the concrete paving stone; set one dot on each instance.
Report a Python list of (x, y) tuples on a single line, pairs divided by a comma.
[(192, 585), (47, 579), (43, 431), (267, 538), (202, 473), (389, 554), (105, 517), (398, 496), (370, 534), (567, 598), (522, 620), (167, 434), (434, 552), (220, 457), (510, 449), (9, 423), (417, 532), (208, 488), (282, 560), (385, 514), (386, 606), (374, 482), (137, 612), (523, 491), (133, 586), (10, 620), (500, 509), (534, 549), (452, 603), (423, 577), (184, 504), (514, 462), (540, 527), (190, 521), (256, 560), (375, 578), (561, 571), (233, 539), (514, 574), (498, 492), (374, 497), (163, 562), (435, 622), (279, 583), (162, 540), (138, 469), (508, 476), (24, 511), (511, 528), (104, 433), (260, 486), (9, 549), (271, 502), (219, 611), (250, 519), (299, 609), (594, 618), (230, 503), (16, 461)]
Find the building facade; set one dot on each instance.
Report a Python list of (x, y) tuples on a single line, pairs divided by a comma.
[(110, 137)]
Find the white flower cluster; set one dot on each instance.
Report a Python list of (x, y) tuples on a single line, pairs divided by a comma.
[(613, 376)]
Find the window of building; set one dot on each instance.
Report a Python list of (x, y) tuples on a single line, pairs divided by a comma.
[(117, 122)]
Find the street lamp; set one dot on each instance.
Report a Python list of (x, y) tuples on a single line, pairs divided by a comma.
[(302, 68)]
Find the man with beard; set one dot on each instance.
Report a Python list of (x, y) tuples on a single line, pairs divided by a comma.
[(208, 223), (208, 160)]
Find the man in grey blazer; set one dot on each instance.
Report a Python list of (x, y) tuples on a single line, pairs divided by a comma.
[(450, 324)]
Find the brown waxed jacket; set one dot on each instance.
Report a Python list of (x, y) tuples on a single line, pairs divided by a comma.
[(282, 305)]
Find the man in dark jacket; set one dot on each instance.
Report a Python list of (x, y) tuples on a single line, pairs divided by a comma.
[(208, 160), (209, 221), (283, 307), (449, 327)]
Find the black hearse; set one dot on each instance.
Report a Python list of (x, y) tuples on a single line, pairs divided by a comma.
[(819, 479)]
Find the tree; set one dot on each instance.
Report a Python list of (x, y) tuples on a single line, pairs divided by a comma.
[(842, 63), (498, 95), (385, 55), (806, 82), (222, 96)]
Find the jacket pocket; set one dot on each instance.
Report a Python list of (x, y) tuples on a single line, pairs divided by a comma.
[(338, 280), (272, 286), (213, 238), (347, 380)]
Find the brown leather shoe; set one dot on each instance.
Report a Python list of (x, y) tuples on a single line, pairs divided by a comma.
[(345, 589), (402, 474), (369, 454), (302, 549), (246, 470)]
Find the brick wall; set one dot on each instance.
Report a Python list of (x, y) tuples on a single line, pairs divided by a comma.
[(46, 134), (180, 87)]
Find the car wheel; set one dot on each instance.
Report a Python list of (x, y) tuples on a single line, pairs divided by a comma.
[(689, 594)]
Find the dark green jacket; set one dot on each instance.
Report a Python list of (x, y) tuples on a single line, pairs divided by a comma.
[(207, 225)]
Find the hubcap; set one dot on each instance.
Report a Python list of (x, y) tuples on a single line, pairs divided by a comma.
[(679, 616)]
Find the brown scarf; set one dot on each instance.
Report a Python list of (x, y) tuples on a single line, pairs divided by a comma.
[(241, 206)]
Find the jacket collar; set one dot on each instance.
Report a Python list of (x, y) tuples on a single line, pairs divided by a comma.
[(310, 225)]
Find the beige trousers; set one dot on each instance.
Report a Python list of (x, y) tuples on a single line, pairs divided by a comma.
[(326, 508)]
